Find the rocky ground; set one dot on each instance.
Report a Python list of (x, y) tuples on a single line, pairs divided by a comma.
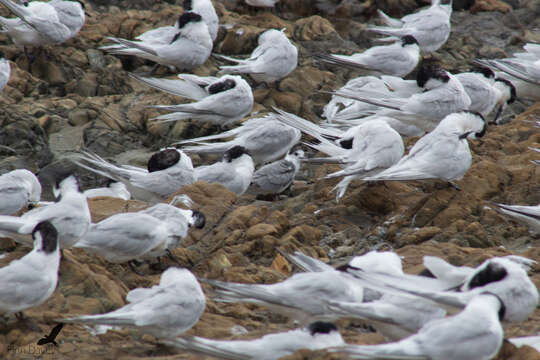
[(74, 96)]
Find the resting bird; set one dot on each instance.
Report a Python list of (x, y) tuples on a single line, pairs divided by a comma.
[(274, 58), (221, 101), (190, 46), (164, 311), (43, 23), (429, 26), (206, 9), (398, 59), (265, 138), (31, 280), (441, 154), (276, 177), (69, 215), (167, 171), (235, 171)]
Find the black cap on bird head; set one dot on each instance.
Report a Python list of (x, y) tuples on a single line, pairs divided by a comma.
[(484, 70), (429, 72), (408, 39), (49, 236), (491, 273), (221, 86), (163, 159), (513, 94), (64, 180), (321, 327), (199, 219), (188, 5), (188, 17), (234, 153)]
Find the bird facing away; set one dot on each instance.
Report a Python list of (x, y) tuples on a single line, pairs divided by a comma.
[(397, 59), (43, 23), (266, 139), (167, 171), (69, 215), (429, 26), (164, 311), (234, 171), (18, 189), (221, 101), (274, 58), (31, 280), (190, 46)]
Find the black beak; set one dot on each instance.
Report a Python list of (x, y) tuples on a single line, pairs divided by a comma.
[(464, 135), (200, 219), (87, 14)]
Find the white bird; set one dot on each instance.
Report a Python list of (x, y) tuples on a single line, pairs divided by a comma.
[(18, 189), (125, 237), (5, 71), (165, 310), (167, 171), (445, 95), (234, 171), (113, 189), (376, 146), (505, 277), (43, 23), (276, 177), (441, 154), (69, 215), (363, 150), (429, 26), (220, 101), (265, 138), (532, 341), (31, 280), (274, 58), (529, 215), (316, 336), (398, 59), (473, 334), (302, 297), (485, 91), (190, 46), (207, 12)]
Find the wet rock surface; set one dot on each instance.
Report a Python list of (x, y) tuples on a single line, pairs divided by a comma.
[(73, 97)]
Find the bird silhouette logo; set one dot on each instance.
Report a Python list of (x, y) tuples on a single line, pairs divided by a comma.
[(52, 336)]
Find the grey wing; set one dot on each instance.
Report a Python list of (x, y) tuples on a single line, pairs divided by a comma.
[(215, 173), (20, 284), (275, 175), (161, 35), (14, 197)]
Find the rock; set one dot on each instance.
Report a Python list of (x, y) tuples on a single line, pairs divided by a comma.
[(490, 5)]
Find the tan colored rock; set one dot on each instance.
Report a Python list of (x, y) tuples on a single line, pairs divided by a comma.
[(490, 5)]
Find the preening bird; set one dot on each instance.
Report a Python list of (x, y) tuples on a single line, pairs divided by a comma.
[(165, 310), (274, 58), (276, 177), (429, 26), (18, 189)]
